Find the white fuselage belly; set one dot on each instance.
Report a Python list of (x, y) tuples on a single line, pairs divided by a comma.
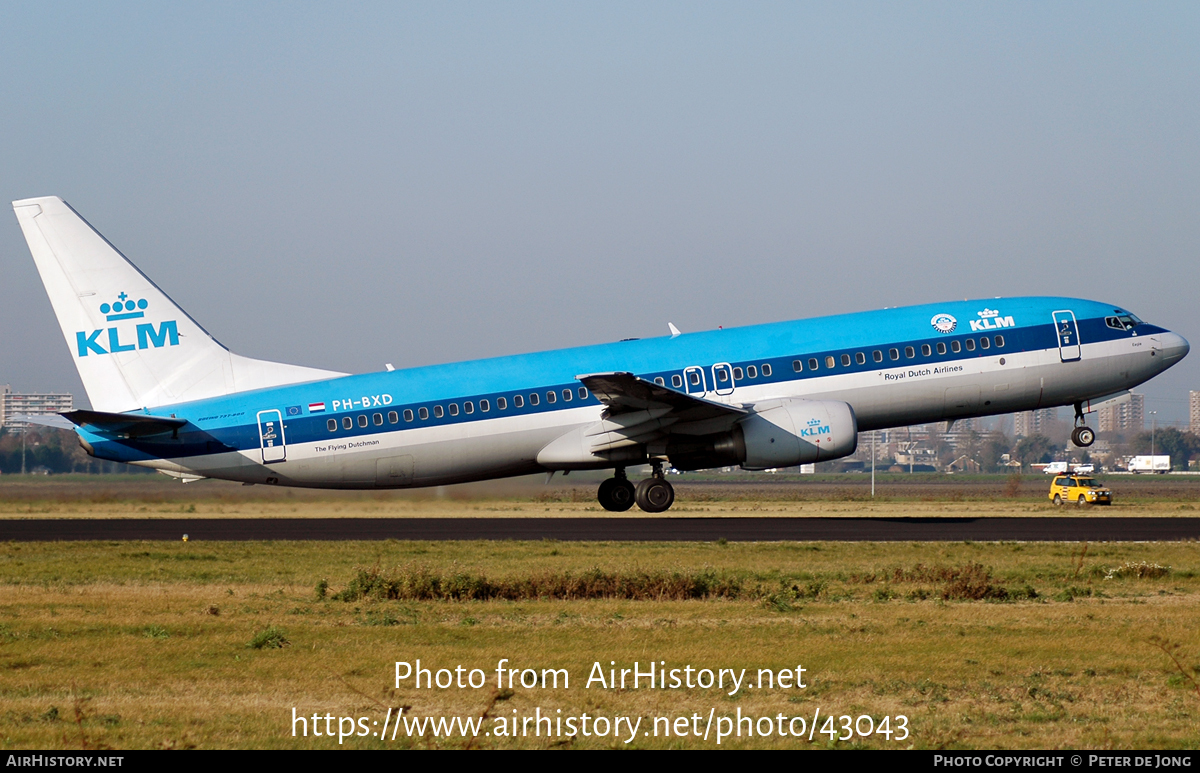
[(507, 446)]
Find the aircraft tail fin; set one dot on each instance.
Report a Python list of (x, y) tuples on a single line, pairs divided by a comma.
[(133, 346)]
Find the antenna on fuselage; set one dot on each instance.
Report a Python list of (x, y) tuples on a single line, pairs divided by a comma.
[(674, 330)]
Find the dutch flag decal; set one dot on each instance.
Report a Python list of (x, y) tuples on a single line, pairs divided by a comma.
[(316, 407)]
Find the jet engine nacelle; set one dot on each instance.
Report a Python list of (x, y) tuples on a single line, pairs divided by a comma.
[(786, 433)]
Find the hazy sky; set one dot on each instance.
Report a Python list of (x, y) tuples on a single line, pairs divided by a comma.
[(353, 184)]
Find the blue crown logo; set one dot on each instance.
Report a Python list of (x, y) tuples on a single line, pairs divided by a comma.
[(814, 422), (124, 308)]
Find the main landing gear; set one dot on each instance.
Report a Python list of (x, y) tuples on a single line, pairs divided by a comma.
[(654, 494), (1081, 436)]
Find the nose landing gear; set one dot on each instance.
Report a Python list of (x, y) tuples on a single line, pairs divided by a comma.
[(654, 494), (1081, 436)]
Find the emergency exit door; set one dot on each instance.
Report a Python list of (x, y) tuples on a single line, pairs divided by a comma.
[(270, 436), (1068, 335)]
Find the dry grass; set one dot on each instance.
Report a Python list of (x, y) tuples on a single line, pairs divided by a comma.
[(149, 496), (153, 644)]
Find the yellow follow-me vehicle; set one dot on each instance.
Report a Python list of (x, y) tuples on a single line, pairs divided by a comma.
[(1080, 489)]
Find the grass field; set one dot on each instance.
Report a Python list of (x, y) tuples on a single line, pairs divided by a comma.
[(977, 645), (148, 496)]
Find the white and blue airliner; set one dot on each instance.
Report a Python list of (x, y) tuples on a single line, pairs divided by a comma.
[(166, 395)]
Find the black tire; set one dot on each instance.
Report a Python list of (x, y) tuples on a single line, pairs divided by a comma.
[(616, 495), (1083, 437), (655, 495), (1057, 501), (1082, 501)]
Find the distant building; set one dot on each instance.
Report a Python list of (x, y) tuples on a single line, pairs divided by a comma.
[(1194, 411), (1128, 417), (1030, 423), (14, 404)]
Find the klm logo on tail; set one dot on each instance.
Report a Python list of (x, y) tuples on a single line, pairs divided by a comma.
[(147, 335)]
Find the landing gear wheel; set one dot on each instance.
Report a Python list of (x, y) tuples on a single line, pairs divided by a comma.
[(1083, 436), (616, 495), (1057, 500), (655, 495)]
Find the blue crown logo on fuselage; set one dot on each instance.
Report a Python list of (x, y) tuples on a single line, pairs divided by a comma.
[(124, 308)]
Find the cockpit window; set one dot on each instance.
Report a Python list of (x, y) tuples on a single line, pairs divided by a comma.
[(1122, 321)]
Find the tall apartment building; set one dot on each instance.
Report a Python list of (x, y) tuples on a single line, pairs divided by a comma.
[(14, 404), (1128, 417), (1194, 411), (1031, 423)]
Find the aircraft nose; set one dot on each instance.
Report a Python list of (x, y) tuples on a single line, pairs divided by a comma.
[(1174, 347)]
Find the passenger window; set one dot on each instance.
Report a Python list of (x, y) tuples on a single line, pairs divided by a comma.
[(362, 420), (812, 363), (566, 395), (766, 369), (925, 350), (582, 392), (408, 415), (894, 354), (518, 401), (751, 371), (829, 361), (694, 377), (659, 380), (941, 347), (423, 412), (551, 397), (970, 344), (845, 360), (438, 412), (453, 409), (485, 406), (393, 417), (501, 404), (738, 375), (468, 407), (860, 358), (984, 343), (999, 341), (797, 366), (332, 424), (347, 422), (877, 356), (676, 381), (378, 419), (910, 352), (722, 375), (955, 347), (533, 398)]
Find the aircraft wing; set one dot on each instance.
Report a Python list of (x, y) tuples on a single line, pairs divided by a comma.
[(626, 393), (129, 425)]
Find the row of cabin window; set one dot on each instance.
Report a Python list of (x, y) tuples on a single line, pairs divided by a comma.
[(894, 354), (468, 408), (722, 375)]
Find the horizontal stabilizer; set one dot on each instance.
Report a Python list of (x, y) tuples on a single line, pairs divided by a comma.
[(43, 419), (128, 425)]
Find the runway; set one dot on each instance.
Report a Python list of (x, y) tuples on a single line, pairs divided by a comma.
[(620, 529)]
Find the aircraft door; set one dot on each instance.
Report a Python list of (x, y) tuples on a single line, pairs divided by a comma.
[(270, 436), (1068, 335), (694, 381), (722, 377)]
